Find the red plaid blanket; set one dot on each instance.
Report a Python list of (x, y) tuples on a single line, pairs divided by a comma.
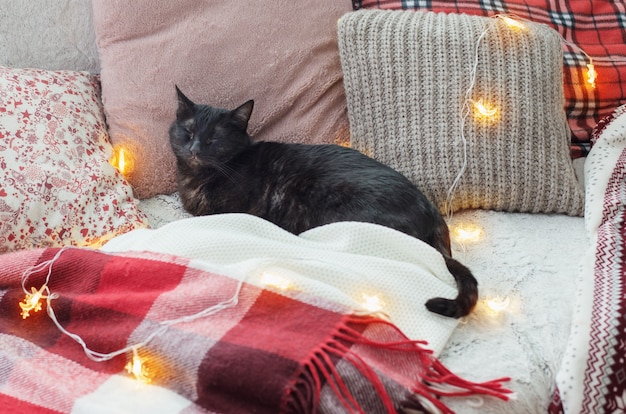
[(222, 345), (598, 27)]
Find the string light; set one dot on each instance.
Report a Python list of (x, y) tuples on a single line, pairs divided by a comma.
[(497, 304), (33, 298), (491, 311), (32, 301), (485, 111), (465, 112), (489, 113), (513, 23), (372, 303), (137, 368), (274, 281), (591, 74), (122, 160), (467, 232)]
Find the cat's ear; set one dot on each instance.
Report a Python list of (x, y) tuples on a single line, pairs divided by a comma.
[(185, 106), (242, 113)]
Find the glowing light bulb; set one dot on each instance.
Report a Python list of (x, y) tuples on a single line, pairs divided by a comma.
[(485, 111), (136, 368), (32, 301), (592, 75), (497, 305), (467, 233), (274, 281), (514, 24), (122, 160), (372, 303)]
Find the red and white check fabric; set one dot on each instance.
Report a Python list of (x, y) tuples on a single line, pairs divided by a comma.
[(596, 27), (264, 353)]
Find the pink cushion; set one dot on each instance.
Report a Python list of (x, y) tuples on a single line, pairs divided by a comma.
[(56, 184), (281, 53)]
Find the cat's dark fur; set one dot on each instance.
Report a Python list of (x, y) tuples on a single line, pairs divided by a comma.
[(298, 187)]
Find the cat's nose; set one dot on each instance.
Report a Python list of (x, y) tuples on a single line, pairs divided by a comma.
[(195, 148)]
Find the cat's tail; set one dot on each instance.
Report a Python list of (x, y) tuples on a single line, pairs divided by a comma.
[(468, 292)]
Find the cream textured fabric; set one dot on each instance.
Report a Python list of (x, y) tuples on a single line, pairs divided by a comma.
[(407, 76), (339, 261)]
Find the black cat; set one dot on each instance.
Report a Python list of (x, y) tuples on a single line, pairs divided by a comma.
[(298, 187)]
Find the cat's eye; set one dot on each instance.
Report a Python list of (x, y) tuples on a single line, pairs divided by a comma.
[(189, 133)]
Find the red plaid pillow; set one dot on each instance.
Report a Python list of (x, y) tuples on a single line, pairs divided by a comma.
[(598, 28)]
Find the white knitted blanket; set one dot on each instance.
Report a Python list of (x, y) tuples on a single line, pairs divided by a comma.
[(349, 263)]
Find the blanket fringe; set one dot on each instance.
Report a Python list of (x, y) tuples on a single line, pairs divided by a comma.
[(395, 358)]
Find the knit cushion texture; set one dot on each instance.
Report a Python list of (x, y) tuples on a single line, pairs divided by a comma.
[(412, 80), (590, 29)]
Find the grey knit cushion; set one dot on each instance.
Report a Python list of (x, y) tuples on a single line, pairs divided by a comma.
[(410, 90)]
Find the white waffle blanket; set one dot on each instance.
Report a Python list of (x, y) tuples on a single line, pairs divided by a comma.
[(345, 262)]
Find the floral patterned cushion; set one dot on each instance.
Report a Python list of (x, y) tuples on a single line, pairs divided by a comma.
[(56, 184)]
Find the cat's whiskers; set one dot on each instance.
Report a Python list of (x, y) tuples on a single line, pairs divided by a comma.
[(229, 173)]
